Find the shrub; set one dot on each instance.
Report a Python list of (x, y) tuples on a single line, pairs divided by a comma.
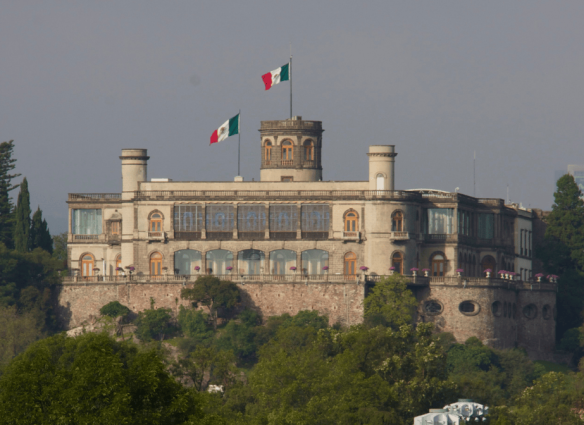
[(152, 324), (114, 309)]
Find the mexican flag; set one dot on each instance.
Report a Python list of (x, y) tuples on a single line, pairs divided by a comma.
[(277, 75), (229, 128)]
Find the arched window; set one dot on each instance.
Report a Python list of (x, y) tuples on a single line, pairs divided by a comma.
[(350, 265), (287, 151), (380, 182), (351, 222), (489, 262), (251, 261), (268, 152), (315, 261), (156, 264), (397, 221), (118, 265), (87, 262), (438, 265), (218, 260), (308, 151), (155, 223), (281, 261), (186, 262), (397, 261)]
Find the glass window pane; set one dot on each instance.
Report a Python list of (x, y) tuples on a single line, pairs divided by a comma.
[(218, 260), (440, 221), (281, 260), (315, 218), (188, 218), (185, 261), (313, 261), (283, 218), (219, 218), (251, 218)]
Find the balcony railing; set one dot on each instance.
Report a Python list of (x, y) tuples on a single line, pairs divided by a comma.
[(156, 236), (86, 237), (352, 236), (95, 197), (400, 236), (286, 162)]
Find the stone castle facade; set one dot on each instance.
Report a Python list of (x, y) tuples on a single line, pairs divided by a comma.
[(293, 241)]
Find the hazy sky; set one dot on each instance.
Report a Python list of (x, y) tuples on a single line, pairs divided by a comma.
[(439, 79)]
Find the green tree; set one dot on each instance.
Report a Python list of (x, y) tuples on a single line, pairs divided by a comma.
[(213, 293), (154, 324), (6, 207), (390, 303), (114, 309), (93, 379), (60, 247), (207, 366), (40, 237), (22, 219), (17, 331), (194, 325)]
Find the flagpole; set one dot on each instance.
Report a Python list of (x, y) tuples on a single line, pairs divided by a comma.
[(290, 81), (239, 141)]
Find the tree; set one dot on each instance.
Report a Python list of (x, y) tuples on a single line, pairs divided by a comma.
[(212, 293), (60, 248), (93, 379), (6, 207), (114, 309), (40, 237), (22, 217), (206, 366), (17, 331), (152, 324), (390, 303)]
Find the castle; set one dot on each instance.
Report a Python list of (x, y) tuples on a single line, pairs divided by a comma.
[(292, 241)]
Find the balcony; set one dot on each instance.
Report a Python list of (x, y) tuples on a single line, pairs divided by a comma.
[(156, 236), (287, 162), (400, 236), (113, 239), (95, 197), (352, 236), (86, 238)]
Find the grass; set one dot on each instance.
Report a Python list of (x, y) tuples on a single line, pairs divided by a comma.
[(553, 367)]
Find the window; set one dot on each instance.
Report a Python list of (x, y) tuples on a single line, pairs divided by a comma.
[(220, 218), (397, 221), (397, 261), (287, 151), (251, 261), (380, 182), (351, 223), (308, 151), (115, 227), (251, 218), (521, 242), (268, 152), (546, 312), (315, 217), (186, 262), (155, 223), (497, 309), (188, 218), (283, 218), (438, 265), (469, 308), (314, 261), (350, 264), (281, 261), (118, 265), (440, 221), (433, 307), (156, 264), (218, 260), (287, 178), (530, 311), (464, 222), (87, 262), (86, 222)]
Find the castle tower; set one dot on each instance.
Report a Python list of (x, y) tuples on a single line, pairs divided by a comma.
[(381, 167), (134, 168), (291, 150)]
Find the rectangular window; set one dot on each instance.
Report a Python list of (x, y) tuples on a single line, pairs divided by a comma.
[(188, 218), (219, 218), (251, 218), (86, 222), (115, 227), (486, 226), (440, 221), (283, 218), (315, 218)]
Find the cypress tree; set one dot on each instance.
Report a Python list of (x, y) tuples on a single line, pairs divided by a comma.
[(40, 237), (6, 206), (22, 216), (566, 220)]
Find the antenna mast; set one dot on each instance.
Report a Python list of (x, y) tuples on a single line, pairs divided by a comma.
[(474, 174)]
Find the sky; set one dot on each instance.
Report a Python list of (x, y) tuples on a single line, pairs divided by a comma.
[(440, 80)]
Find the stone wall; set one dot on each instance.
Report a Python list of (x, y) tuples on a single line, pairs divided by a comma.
[(342, 302)]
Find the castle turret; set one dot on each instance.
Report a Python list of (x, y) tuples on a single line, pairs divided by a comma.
[(291, 150), (134, 168), (381, 167)]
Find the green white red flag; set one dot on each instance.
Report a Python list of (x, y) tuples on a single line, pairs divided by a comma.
[(277, 75), (229, 128)]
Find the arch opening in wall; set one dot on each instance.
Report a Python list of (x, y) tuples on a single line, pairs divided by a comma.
[(282, 261), (380, 182), (118, 267), (397, 221), (397, 261), (438, 264), (218, 260), (156, 264), (351, 219), (251, 262), (308, 150), (488, 262), (87, 265), (314, 261), (433, 307), (469, 308), (267, 152), (350, 265), (287, 152), (155, 222), (498, 309), (187, 262), (546, 312), (530, 311)]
